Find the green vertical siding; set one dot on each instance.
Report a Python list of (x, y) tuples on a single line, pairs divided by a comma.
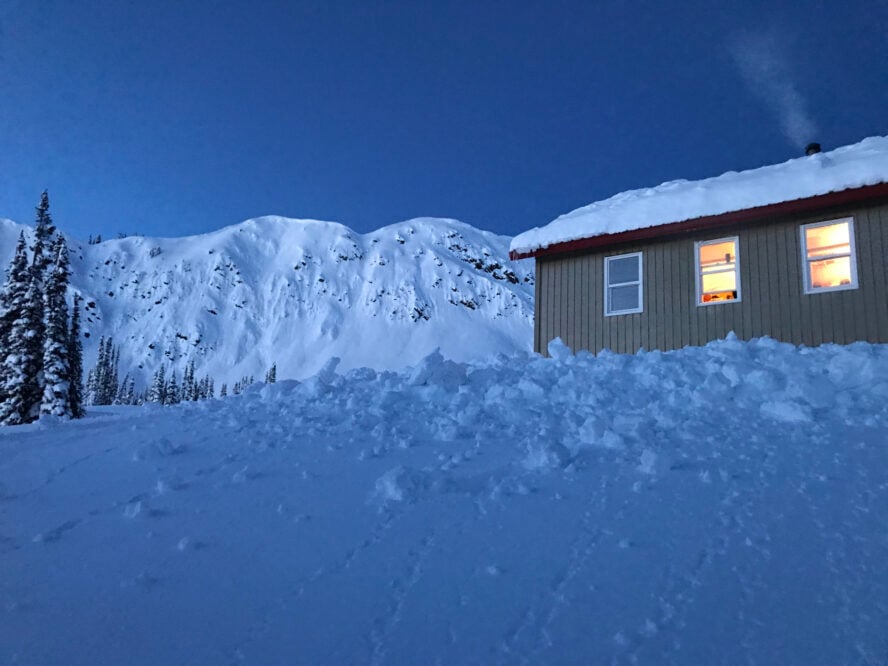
[(570, 292)]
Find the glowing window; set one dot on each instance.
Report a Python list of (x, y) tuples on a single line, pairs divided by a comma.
[(828, 256), (622, 284), (718, 271)]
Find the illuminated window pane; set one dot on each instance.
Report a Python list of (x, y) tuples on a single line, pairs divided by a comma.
[(718, 278), (828, 256), (724, 281), (716, 256), (828, 240), (830, 272)]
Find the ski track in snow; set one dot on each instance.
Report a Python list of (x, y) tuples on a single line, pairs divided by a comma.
[(723, 505)]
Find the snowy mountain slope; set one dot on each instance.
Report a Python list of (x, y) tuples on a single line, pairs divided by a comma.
[(717, 505), (297, 292)]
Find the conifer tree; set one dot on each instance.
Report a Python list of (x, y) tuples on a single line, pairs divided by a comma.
[(89, 399), (20, 371), (75, 364), (189, 389), (44, 229), (157, 394), (16, 281), (102, 386), (42, 265), (130, 395), (223, 392), (126, 393), (96, 378), (271, 375), (109, 385), (11, 297), (56, 367), (172, 392)]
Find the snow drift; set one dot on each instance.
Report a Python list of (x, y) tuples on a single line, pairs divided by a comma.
[(716, 505)]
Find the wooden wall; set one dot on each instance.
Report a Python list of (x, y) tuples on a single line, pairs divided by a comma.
[(570, 292)]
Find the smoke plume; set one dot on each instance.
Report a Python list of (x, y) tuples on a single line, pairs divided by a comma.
[(765, 70)]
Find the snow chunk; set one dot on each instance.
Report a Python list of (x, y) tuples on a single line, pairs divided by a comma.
[(396, 485), (648, 462), (786, 411), (435, 369), (558, 350)]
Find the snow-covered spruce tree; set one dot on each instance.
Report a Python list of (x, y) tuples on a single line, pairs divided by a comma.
[(56, 365), (96, 379), (172, 391), (157, 392), (22, 330), (189, 388), (75, 364), (271, 375), (11, 298), (126, 394), (20, 371), (206, 388), (44, 230), (131, 397), (223, 392), (16, 279), (105, 384)]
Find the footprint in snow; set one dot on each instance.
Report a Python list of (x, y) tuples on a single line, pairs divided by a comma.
[(55, 534)]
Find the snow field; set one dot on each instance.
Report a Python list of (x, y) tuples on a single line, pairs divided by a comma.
[(717, 505)]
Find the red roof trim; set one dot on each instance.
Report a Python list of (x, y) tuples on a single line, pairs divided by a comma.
[(783, 208)]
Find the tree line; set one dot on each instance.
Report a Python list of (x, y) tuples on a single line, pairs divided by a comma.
[(103, 386), (41, 352)]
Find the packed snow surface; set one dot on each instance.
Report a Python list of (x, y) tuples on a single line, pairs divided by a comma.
[(857, 165), (716, 505)]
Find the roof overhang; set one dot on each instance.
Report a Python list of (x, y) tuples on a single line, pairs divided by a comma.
[(748, 215)]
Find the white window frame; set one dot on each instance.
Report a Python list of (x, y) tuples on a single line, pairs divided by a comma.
[(806, 273), (640, 282), (699, 274)]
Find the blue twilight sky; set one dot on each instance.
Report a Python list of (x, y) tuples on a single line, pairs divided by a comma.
[(174, 117)]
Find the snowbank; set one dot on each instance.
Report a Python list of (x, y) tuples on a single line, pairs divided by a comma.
[(715, 505), (857, 165)]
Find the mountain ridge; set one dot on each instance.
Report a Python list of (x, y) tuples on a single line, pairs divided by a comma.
[(297, 292)]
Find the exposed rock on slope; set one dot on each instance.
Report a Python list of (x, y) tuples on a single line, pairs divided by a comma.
[(297, 292)]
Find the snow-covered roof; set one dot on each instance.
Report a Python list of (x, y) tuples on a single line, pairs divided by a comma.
[(857, 165)]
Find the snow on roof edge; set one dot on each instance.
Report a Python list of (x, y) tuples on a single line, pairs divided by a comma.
[(856, 165)]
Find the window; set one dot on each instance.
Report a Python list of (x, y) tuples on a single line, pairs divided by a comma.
[(622, 284), (828, 257), (718, 271)]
